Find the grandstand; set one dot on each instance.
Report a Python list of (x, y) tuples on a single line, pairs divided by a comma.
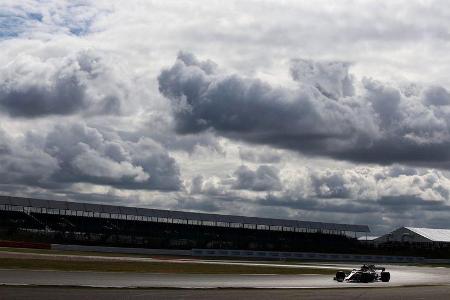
[(100, 224)]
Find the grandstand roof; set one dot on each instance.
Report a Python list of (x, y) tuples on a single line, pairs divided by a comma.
[(171, 214), (435, 235)]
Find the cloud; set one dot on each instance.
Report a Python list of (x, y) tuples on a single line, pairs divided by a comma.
[(91, 68), (35, 86), (437, 95), (332, 79), (395, 195), (26, 18), (384, 197), (260, 155), (23, 163), (159, 126), (368, 185), (211, 186), (88, 155), (196, 184), (264, 178), (322, 117), (330, 185), (92, 164), (76, 153)]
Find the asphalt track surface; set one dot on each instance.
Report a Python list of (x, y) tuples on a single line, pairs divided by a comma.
[(409, 293), (400, 276), (407, 282)]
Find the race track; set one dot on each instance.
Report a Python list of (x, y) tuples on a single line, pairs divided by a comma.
[(64, 293), (400, 276)]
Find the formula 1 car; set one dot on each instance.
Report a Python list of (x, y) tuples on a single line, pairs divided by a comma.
[(367, 273)]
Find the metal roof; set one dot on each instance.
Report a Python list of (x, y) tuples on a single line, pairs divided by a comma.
[(367, 238), (101, 208), (435, 235)]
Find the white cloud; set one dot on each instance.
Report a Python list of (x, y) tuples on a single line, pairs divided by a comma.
[(96, 64)]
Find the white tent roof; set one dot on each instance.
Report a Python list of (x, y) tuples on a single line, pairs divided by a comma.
[(435, 235)]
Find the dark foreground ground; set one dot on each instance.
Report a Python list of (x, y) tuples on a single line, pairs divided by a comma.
[(49, 293)]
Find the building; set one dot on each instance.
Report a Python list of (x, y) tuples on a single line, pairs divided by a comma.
[(417, 237), (369, 239), (99, 224)]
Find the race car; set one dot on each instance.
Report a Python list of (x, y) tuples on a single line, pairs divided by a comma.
[(366, 274)]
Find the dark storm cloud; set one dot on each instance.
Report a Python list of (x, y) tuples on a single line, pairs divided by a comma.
[(188, 203), (159, 127), (394, 185), (408, 202), (196, 184), (324, 116), (35, 87), (437, 95), (22, 163), (76, 153), (264, 178), (330, 186), (385, 197), (88, 155), (363, 195), (347, 207)]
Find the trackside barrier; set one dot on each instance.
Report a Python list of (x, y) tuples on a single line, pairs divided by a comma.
[(304, 256), (251, 254), (436, 261), (120, 250)]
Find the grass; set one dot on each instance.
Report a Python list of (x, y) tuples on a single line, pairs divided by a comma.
[(153, 267), (92, 253), (68, 252)]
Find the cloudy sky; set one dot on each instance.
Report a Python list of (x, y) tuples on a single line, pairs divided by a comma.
[(334, 111)]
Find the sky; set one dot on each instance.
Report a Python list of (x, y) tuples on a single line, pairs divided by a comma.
[(333, 111)]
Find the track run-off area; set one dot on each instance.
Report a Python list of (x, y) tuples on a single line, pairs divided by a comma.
[(401, 275)]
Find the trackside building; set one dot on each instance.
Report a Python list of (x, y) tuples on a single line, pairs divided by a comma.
[(417, 237)]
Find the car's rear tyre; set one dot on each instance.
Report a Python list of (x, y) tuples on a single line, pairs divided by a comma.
[(385, 276), (340, 276)]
